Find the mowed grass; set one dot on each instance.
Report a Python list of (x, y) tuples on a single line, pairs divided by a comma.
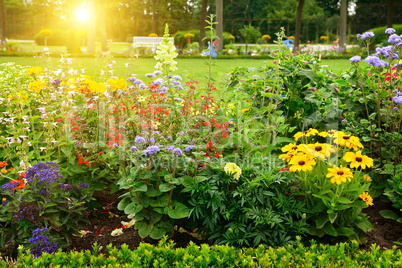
[(196, 69)]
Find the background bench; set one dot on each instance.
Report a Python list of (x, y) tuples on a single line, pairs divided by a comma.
[(145, 41)]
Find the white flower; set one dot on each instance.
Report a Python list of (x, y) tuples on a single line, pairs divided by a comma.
[(117, 232), (128, 224)]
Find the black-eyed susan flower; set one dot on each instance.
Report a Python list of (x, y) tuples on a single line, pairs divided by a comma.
[(301, 162), (292, 148), (367, 198), (330, 133), (319, 150), (339, 174), (341, 138), (366, 177), (288, 156), (358, 160), (354, 142), (308, 133)]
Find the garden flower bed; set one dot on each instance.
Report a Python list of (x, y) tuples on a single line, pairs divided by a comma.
[(272, 159)]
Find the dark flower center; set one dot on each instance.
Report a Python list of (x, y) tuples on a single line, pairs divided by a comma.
[(340, 173), (294, 147), (359, 159), (330, 132), (346, 137), (301, 163), (318, 148)]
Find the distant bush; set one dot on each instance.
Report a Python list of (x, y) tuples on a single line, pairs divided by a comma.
[(70, 39), (181, 40), (380, 36)]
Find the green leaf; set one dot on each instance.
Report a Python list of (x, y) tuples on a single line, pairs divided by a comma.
[(344, 231), (161, 202), (144, 229), (133, 208), (388, 214), (319, 207), (140, 186), (152, 192), (124, 203), (66, 150), (343, 200), (201, 178), (157, 233), (55, 220), (332, 216), (166, 187), (364, 225), (330, 229), (321, 220), (178, 211)]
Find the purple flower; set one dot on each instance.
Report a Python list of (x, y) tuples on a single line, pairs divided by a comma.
[(157, 72), (83, 185), (390, 31), (44, 172), (367, 35), (142, 86), (9, 186), (132, 79), (375, 61), (177, 77), (56, 83), (394, 38), (189, 148), (151, 150), (355, 59), (397, 99), (177, 151), (395, 109), (151, 140), (138, 81), (139, 139), (158, 81), (133, 149), (178, 99), (40, 243), (163, 89), (170, 148), (150, 75)]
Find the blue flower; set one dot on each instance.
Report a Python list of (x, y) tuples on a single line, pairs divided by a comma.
[(151, 150), (397, 99), (189, 148), (9, 186), (83, 185), (151, 140), (177, 151), (44, 172), (178, 99), (40, 243), (133, 149), (163, 89), (177, 77), (139, 139), (394, 38), (158, 81), (367, 35), (390, 31), (157, 72), (150, 75), (355, 59), (375, 61), (142, 86)]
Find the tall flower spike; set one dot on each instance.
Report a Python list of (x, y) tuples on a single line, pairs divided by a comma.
[(166, 53)]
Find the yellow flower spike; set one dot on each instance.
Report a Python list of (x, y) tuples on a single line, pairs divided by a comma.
[(233, 169), (358, 160), (367, 198), (339, 174), (301, 162)]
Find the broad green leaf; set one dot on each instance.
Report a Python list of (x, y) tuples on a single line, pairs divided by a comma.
[(166, 187), (178, 211), (332, 216), (152, 192), (330, 229), (144, 229), (388, 214), (140, 187), (123, 203), (133, 208), (321, 220), (343, 200)]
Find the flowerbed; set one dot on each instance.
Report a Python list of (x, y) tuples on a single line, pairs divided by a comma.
[(204, 159)]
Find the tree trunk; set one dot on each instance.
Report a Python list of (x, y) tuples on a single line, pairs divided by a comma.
[(298, 25), (219, 26), (91, 28), (202, 22), (390, 17), (3, 24), (342, 25)]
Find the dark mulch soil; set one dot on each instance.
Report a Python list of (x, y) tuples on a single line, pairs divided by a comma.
[(105, 219)]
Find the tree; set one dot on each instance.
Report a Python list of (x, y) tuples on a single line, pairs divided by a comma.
[(202, 22), (3, 23), (298, 24), (219, 26), (390, 17), (250, 34), (342, 26)]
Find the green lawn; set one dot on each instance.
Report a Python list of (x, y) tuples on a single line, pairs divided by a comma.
[(194, 68)]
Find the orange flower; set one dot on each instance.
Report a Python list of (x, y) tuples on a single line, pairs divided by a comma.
[(4, 171), (2, 164), (21, 184)]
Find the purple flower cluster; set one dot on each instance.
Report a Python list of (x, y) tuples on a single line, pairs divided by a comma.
[(139, 139), (157, 72), (386, 52), (56, 83), (366, 35), (189, 148), (150, 75), (151, 150), (83, 185), (44, 172), (66, 187), (133, 149), (390, 31), (40, 243), (177, 151), (394, 39), (355, 59), (10, 186), (375, 61)]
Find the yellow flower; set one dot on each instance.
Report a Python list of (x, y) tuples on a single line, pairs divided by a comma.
[(245, 110), (141, 98), (153, 35), (330, 133), (233, 169), (308, 133), (358, 160), (23, 95), (339, 174), (319, 150), (166, 53), (4, 171), (347, 140), (367, 198), (301, 162), (266, 37), (117, 83), (366, 177), (354, 142), (35, 71), (288, 156), (36, 86)]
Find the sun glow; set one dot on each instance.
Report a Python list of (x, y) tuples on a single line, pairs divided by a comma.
[(82, 14)]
